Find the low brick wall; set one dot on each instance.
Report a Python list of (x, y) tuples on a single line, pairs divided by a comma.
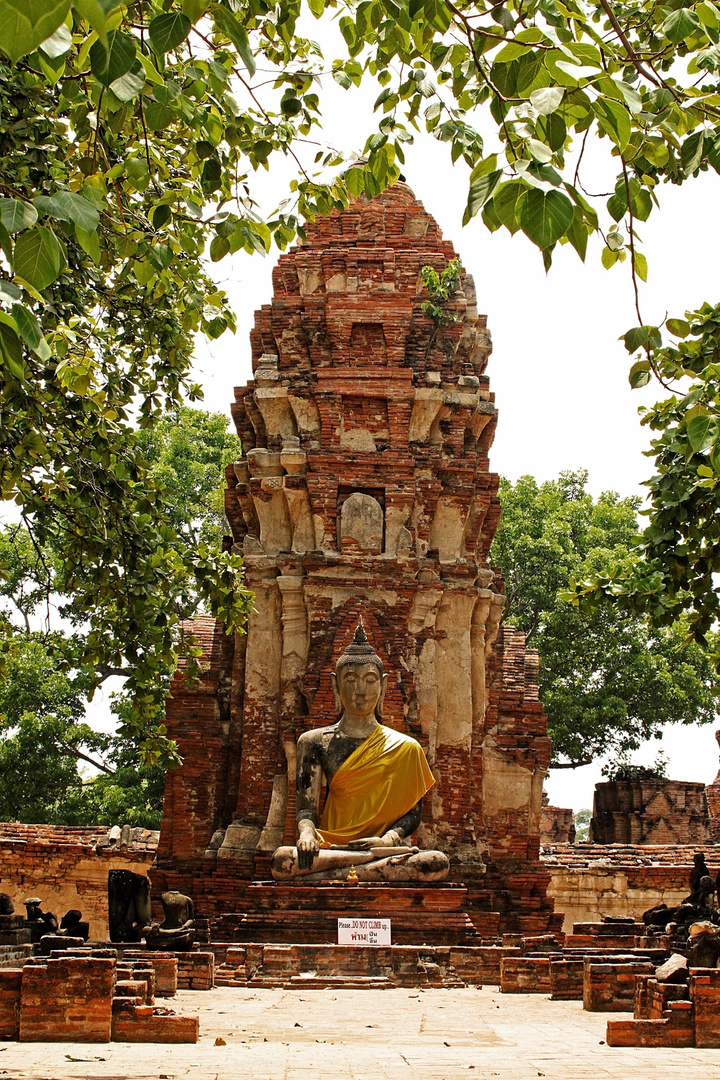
[(610, 986), (10, 980), (566, 979), (525, 975), (67, 1000)]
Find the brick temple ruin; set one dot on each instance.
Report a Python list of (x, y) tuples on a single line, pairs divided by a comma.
[(364, 489)]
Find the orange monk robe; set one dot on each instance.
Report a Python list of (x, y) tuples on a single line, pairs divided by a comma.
[(374, 787)]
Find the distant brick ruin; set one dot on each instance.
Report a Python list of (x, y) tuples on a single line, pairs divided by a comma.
[(364, 488), (650, 810)]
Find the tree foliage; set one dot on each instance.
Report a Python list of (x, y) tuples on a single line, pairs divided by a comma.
[(608, 681), (131, 135), (53, 765)]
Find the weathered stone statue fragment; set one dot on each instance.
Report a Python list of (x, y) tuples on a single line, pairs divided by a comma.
[(176, 931), (376, 779)]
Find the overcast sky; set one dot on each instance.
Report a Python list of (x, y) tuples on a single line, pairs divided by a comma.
[(558, 370)]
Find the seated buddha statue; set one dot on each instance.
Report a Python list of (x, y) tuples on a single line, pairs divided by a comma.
[(376, 780)]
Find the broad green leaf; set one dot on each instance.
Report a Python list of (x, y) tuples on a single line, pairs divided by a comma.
[(641, 268), (58, 43), (354, 180), (577, 234), (98, 13), (544, 216), (11, 352), (195, 9), (691, 152), (159, 116), (229, 25), (89, 241), (608, 257), (67, 206), (539, 151), (679, 25), (111, 63), (38, 257), (640, 374), (30, 331), (480, 191), (505, 202), (9, 292), (547, 99), (703, 431), (25, 24), (128, 86), (219, 247), (168, 31), (678, 327), (615, 120), (708, 15), (641, 336), (16, 214)]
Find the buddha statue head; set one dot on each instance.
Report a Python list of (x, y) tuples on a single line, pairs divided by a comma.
[(359, 682)]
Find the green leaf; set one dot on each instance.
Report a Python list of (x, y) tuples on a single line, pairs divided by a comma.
[(228, 24), (67, 206), (219, 248), (678, 327), (480, 191), (11, 352), (544, 216), (354, 181), (89, 241), (640, 374), (30, 331), (128, 86), (168, 31), (577, 234), (641, 336), (679, 25), (641, 268), (703, 431), (158, 116), (547, 99), (505, 202), (615, 120), (691, 152), (16, 214), (195, 9), (97, 13), (38, 257), (58, 43), (608, 257), (111, 63), (26, 24)]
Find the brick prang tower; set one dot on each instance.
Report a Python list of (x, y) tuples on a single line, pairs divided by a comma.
[(364, 489)]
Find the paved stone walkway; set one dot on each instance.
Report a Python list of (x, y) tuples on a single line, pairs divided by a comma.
[(368, 1035)]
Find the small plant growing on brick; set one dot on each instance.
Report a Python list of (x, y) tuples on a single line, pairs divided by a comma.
[(441, 289)]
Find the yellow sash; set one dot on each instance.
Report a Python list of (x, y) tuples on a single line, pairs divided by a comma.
[(380, 781)]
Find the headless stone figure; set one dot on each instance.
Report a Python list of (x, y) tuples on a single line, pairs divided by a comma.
[(376, 781)]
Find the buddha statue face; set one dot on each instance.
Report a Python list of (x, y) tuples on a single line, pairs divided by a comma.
[(359, 682), (359, 690)]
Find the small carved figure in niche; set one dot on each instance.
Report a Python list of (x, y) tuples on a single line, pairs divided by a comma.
[(176, 931), (376, 782), (698, 872), (39, 922), (71, 925), (129, 908), (6, 905)]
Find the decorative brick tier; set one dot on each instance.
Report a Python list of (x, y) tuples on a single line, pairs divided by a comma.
[(420, 915)]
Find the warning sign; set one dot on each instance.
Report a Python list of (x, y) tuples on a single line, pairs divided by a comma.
[(364, 932)]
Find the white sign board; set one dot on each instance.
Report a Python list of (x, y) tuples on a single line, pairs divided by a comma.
[(364, 932)]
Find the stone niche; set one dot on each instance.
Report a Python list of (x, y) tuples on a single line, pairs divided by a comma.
[(364, 488), (650, 810)]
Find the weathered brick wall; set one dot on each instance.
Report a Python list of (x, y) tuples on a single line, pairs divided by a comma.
[(589, 881), (67, 1000), (67, 868), (364, 488), (650, 811), (557, 824)]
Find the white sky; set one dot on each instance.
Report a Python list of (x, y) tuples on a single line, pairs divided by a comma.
[(558, 370)]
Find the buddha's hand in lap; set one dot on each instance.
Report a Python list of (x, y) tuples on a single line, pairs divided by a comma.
[(366, 843)]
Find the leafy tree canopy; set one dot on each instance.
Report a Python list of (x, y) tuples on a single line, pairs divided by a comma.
[(53, 766), (131, 136), (608, 680)]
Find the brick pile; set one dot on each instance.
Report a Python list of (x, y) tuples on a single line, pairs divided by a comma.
[(360, 400), (673, 1016)]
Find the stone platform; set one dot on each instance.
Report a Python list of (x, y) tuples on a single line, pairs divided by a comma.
[(393, 1035), (282, 914)]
